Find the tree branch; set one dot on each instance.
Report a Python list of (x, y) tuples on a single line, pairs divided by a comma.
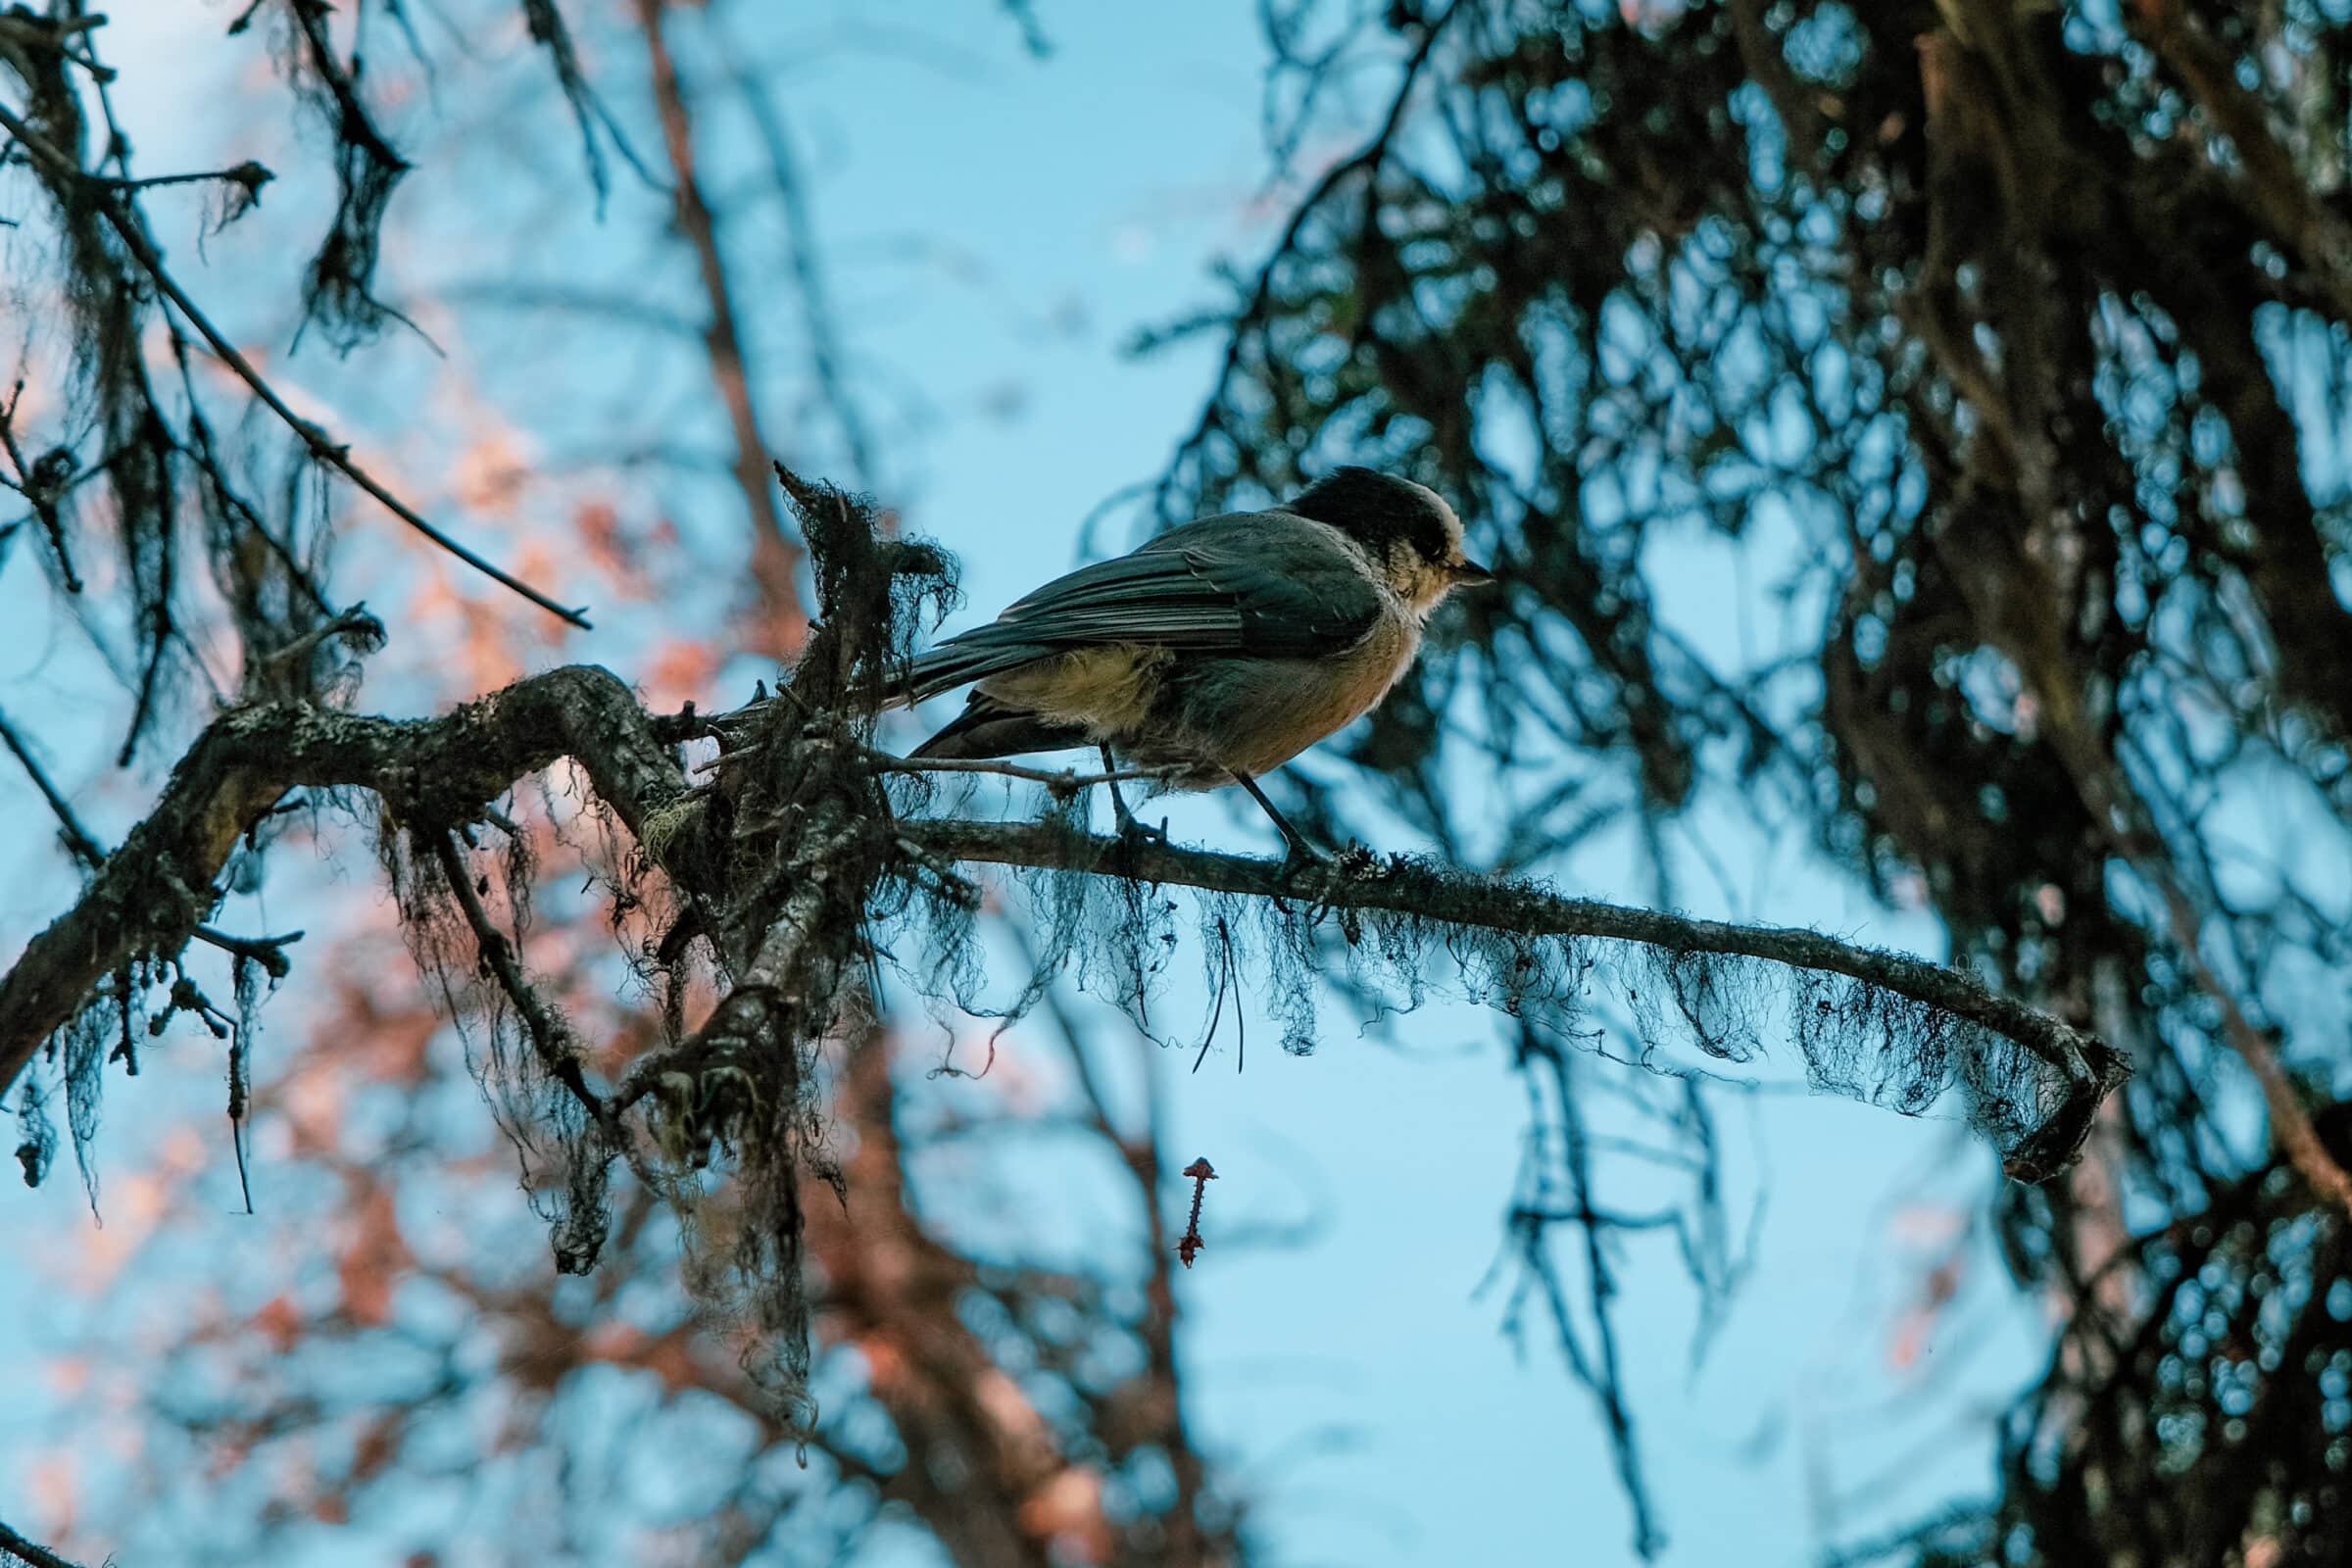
[(322, 447), (437, 770), (774, 557), (443, 771), (1405, 887), (78, 843), (31, 1551), (548, 1037)]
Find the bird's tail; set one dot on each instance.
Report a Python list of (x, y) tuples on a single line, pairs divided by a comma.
[(951, 665), (988, 728)]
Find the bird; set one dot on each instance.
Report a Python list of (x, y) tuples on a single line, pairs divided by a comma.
[(1215, 651)]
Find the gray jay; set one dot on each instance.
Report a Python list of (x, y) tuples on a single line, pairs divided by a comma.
[(1218, 651)]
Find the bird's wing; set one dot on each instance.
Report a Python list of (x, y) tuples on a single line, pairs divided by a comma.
[(1266, 583)]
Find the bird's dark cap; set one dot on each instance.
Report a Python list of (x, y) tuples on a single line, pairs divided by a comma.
[(1378, 509)]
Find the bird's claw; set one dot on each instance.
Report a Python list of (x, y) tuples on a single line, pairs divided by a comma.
[(1135, 833), (1318, 875), (1304, 859)]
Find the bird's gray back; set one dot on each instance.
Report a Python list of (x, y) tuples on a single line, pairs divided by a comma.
[(1262, 584)]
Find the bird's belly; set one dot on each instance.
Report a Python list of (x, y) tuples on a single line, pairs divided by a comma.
[(1252, 715), (1105, 690)]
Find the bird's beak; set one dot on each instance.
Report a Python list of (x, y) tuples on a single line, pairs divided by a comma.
[(1470, 574)]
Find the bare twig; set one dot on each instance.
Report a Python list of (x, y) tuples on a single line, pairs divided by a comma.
[(818, 317), (355, 622), (31, 1551), (250, 176), (201, 449), (588, 107), (619, 308), (1598, 1367), (1140, 1150), (268, 952), (1190, 1243), (549, 1038), (1061, 781), (322, 447), (774, 556), (40, 488), (78, 843)]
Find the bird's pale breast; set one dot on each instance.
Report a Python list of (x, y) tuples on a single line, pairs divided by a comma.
[(1252, 715)]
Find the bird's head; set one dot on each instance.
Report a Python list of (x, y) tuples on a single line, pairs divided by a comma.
[(1407, 530)]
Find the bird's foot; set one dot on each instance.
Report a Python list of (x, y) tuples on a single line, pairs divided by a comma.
[(1319, 875), (1134, 833), (1302, 862), (1134, 837)]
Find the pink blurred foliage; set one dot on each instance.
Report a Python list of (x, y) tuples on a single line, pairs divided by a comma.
[(1938, 1242)]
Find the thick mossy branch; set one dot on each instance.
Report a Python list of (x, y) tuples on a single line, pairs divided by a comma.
[(153, 892), (1438, 897), (783, 860), (1446, 896), (151, 895)]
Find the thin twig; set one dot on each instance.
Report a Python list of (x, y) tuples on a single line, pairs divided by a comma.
[(1061, 781), (268, 952), (1190, 1243), (31, 1551), (79, 842), (819, 320), (222, 493), (39, 489), (498, 955), (322, 447), (1600, 1369), (355, 622), (774, 554), (250, 174)]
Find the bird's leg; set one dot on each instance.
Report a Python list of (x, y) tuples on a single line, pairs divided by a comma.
[(1301, 855), (1130, 829)]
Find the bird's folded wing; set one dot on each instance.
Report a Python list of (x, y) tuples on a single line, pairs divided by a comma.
[(1259, 583)]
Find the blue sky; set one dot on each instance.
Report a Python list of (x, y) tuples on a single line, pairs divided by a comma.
[(1359, 1380)]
